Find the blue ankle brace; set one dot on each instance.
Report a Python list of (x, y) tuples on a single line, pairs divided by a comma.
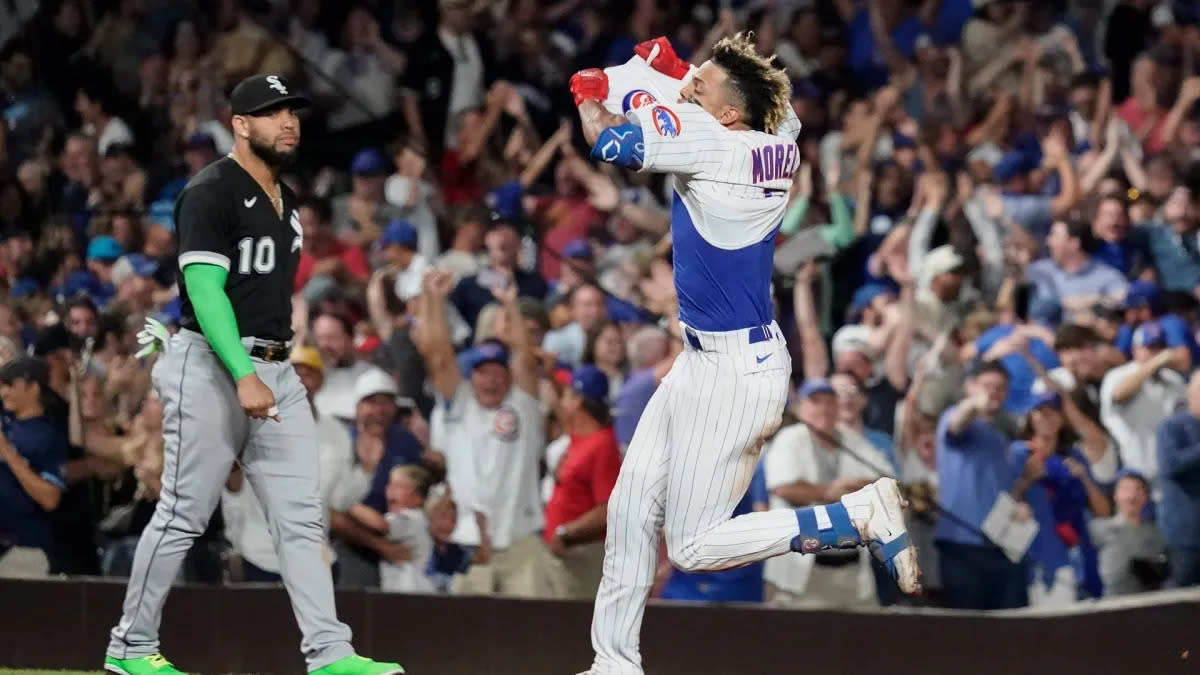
[(825, 527)]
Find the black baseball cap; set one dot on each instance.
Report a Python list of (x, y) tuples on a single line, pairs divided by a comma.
[(26, 368), (50, 339), (258, 94)]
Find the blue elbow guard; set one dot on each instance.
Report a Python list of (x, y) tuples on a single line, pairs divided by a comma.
[(623, 146)]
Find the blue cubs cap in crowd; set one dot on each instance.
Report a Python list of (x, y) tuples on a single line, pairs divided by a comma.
[(506, 199), (104, 248), (1142, 294), (23, 288), (1046, 398), (578, 249), (490, 351), (80, 282), (865, 294), (1149, 334), (1014, 163), (200, 141), (163, 213), (815, 385), (369, 162), (400, 233), (143, 265), (590, 382)]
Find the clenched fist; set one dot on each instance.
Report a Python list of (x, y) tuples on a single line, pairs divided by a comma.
[(589, 85), (662, 57)]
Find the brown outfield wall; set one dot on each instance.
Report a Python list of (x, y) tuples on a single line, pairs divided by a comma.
[(65, 624)]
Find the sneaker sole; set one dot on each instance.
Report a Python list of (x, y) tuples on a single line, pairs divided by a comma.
[(908, 571), (115, 669)]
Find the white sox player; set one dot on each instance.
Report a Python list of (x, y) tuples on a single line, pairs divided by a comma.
[(695, 449)]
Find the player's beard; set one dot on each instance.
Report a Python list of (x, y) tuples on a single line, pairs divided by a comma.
[(273, 158)]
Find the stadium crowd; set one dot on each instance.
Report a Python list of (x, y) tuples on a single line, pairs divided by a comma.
[(990, 286)]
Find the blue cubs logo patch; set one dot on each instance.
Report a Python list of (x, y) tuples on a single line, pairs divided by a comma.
[(666, 121), (637, 99), (507, 425)]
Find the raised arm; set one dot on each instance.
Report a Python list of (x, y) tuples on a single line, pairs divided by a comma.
[(524, 359), (433, 334), (477, 136), (816, 355)]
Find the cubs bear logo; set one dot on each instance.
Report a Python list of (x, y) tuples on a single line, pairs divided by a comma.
[(506, 426), (666, 121), (637, 99)]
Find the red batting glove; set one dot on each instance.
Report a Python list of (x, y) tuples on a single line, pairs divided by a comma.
[(662, 57), (590, 84)]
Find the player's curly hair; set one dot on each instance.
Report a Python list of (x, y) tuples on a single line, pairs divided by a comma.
[(764, 90)]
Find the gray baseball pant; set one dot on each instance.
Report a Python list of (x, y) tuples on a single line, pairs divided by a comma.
[(205, 430)]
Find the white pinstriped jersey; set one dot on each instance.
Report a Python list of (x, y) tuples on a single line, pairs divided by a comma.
[(730, 196)]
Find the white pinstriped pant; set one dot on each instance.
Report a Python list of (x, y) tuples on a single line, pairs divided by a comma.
[(689, 464)]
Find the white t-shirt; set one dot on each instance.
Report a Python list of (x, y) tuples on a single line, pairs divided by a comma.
[(554, 454), (335, 456), (567, 343), (411, 528), (492, 458), (1133, 423), (466, 85), (409, 279), (794, 456)]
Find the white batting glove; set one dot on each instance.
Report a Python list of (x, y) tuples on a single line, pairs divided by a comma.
[(153, 337)]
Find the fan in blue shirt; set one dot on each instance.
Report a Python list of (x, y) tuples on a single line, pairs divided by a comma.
[(32, 453), (1144, 302)]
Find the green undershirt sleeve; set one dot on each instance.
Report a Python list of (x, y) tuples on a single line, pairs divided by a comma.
[(214, 313), (794, 216), (840, 233)]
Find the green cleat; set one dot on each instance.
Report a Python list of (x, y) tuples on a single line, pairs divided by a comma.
[(359, 665), (154, 664)]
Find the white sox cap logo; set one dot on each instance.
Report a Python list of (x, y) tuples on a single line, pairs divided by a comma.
[(276, 84)]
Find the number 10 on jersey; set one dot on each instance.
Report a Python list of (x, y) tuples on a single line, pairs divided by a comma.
[(258, 254)]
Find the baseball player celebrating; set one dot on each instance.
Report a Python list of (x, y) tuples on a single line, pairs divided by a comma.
[(696, 446), (230, 394)]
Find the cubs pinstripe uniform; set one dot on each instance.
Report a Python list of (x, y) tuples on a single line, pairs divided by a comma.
[(695, 449), (698, 440)]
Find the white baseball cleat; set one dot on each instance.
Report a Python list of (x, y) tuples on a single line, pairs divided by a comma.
[(877, 512)]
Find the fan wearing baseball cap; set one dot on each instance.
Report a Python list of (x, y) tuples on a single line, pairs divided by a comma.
[(1137, 396), (578, 509), (494, 431)]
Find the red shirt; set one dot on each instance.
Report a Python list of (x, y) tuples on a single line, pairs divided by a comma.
[(459, 183), (352, 258), (585, 478), (1135, 117), (569, 219)]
